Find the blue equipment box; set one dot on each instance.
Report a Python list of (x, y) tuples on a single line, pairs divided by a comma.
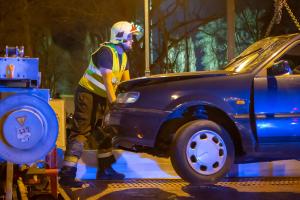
[(19, 72)]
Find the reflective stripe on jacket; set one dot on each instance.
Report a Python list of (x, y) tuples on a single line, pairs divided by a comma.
[(92, 78)]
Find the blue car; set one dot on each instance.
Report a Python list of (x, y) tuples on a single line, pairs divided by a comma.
[(205, 121)]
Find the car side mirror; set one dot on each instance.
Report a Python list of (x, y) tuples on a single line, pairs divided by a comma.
[(279, 68)]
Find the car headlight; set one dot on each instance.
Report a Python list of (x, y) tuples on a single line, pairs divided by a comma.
[(128, 97)]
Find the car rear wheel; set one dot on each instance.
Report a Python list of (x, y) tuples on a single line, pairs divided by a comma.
[(202, 151)]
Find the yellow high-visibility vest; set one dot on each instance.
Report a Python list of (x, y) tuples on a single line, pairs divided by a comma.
[(92, 78)]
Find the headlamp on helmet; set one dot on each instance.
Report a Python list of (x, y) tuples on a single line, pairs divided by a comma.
[(122, 31)]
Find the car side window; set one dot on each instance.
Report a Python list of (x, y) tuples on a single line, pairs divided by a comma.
[(291, 59)]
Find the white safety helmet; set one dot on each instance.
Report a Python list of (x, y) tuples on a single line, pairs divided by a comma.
[(121, 30)]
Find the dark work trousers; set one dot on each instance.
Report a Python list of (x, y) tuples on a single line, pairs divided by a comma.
[(88, 115)]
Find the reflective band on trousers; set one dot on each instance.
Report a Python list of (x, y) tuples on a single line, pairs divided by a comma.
[(105, 155), (73, 159), (69, 164), (94, 81)]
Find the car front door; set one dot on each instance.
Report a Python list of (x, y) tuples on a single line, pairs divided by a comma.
[(277, 108), (277, 100)]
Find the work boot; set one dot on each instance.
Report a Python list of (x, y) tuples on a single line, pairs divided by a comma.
[(67, 178), (109, 174)]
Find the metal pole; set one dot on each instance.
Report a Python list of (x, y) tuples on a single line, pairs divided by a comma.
[(230, 29), (147, 43)]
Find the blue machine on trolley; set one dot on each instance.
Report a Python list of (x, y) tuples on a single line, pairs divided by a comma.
[(28, 125)]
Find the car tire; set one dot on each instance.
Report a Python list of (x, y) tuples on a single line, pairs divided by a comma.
[(202, 152)]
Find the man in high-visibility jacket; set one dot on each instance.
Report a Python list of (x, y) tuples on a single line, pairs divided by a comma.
[(108, 66)]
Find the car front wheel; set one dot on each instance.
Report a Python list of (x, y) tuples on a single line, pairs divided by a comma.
[(202, 151)]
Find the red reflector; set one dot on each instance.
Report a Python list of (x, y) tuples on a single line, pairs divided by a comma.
[(133, 28), (10, 71)]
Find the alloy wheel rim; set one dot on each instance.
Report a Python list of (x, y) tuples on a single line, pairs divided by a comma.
[(206, 152)]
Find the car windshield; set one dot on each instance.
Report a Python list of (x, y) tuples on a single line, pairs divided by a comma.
[(254, 54)]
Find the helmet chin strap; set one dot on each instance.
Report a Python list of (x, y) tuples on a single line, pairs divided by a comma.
[(124, 48)]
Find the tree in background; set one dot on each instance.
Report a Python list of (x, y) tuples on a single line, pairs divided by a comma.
[(212, 37), (174, 25), (197, 40), (252, 20), (62, 33)]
